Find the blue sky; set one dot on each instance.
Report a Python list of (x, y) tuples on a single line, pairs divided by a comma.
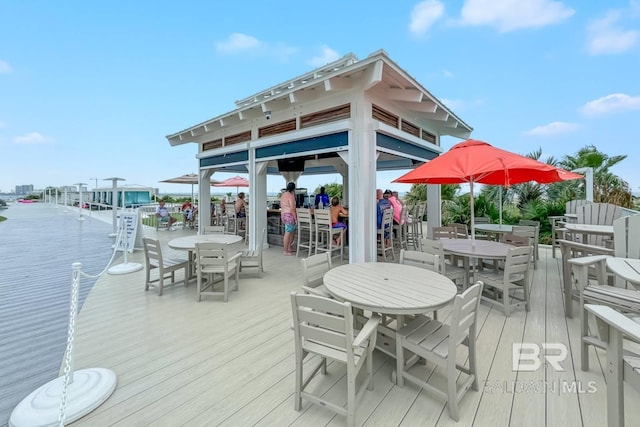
[(90, 89)]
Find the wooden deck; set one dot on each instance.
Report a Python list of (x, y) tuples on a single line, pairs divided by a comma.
[(180, 362)]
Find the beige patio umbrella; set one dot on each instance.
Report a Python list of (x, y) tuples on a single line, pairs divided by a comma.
[(190, 178)]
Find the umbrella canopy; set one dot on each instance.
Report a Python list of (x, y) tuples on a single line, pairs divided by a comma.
[(189, 178), (236, 181), (474, 161)]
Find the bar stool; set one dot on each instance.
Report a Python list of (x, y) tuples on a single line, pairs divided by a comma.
[(325, 233), (401, 230), (386, 227), (305, 230)]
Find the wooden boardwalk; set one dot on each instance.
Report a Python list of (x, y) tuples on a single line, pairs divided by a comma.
[(180, 362), (38, 244)]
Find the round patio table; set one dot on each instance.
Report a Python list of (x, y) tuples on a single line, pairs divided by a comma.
[(479, 249), (389, 288), (494, 228), (188, 243)]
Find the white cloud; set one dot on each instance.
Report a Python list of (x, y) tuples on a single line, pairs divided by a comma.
[(283, 52), (510, 15), (606, 36), (5, 68), (614, 103), (447, 73), (424, 15), (238, 42), (243, 43), (326, 55), (553, 128), (32, 138)]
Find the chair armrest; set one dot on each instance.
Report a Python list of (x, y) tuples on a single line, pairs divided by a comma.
[(321, 292), (599, 250), (588, 260), (367, 330), (235, 257), (616, 320)]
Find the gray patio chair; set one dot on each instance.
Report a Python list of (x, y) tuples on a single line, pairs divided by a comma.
[(515, 277), (253, 258), (166, 267), (313, 270), (437, 342), (214, 259), (621, 365), (324, 327)]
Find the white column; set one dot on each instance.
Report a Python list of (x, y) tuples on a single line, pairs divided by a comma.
[(362, 178), (204, 199), (114, 203), (434, 212), (257, 200)]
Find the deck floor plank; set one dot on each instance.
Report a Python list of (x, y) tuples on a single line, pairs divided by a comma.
[(182, 362)]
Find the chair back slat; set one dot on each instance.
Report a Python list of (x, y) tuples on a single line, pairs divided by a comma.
[(322, 218), (444, 233), (598, 214), (464, 315), (421, 259), (314, 268), (152, 250), (462, 231), (518, 262), (626, 236), (571, 207), (324, 320)]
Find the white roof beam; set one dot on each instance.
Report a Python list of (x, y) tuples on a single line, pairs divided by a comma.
[(426, 106), (406, 95), (441, 115), (337, 83), (373, 75)]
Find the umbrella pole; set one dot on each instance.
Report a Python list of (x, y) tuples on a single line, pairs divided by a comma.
[(500, 205), (473, 225)]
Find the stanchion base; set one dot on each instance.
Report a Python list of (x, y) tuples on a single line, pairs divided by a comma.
[(90, 388), (125, 268), (113, 234), (80, 218)]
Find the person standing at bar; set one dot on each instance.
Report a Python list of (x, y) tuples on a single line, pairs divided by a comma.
[(288, 216)]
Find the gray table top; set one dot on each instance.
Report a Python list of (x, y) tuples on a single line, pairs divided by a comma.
[(627, 268), (189, 243), (486, 249), (390, 288)]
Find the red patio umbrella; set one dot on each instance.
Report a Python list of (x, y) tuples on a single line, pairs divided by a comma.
[(474, 161), (236, 181)]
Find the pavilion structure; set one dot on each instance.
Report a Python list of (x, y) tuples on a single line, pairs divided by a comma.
[(352, 117)]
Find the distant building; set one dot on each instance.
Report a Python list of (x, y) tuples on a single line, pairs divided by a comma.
[(24, 189), (129, 196)]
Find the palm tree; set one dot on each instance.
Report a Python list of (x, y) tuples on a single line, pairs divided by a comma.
[(608, 187)]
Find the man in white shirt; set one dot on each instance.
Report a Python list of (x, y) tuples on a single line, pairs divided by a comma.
[(163, 214)]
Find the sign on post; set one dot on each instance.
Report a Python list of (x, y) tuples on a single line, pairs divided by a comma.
[(129, 224)]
